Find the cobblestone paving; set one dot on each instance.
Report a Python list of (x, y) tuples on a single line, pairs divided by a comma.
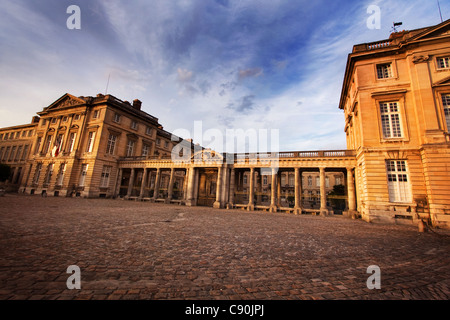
[(136, 250)]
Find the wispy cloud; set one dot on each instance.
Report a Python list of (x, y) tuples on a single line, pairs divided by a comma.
[(232, 64)]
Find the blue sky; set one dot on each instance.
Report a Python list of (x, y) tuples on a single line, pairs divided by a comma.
[(249, 64)]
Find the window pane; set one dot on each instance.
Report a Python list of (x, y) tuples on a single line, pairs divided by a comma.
[(446, 104)]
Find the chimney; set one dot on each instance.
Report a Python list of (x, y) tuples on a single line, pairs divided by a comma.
[(137, 104), (35, 119)]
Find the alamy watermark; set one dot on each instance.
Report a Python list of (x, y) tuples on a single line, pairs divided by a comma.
[(229, 146), (374, 21), (374, 281), (74, 20), (74, 281)]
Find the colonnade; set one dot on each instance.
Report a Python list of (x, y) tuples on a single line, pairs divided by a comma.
[(224, 188)]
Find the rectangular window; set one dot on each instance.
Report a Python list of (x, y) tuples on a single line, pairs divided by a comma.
[(134, 125), (317, 181), (158, 141), (19, 151), (130, 148), (148, 131), (398, 181), (49, 174), (117, 117), (56, 148), (90, 142), (53, 120), (71, 144), (1, 136), (38, 144), (62, 171), (48, 143), (291, 180), (443, 63), (390, 120), (25, 152), (5, 157), (327, 182), (337, 181), (37, 173), (446, 104), (84, 169), (110, 146), (265, 180), (104, 180), (13, 152), (1, 152), (145, 150), (166, 144), (96, 114), (309, 181), (76, 117), (17, 134), (384, 71)]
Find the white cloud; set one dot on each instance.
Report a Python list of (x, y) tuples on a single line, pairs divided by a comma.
[(233, 64)]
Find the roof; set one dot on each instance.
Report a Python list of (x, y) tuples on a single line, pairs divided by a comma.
[(397, 41)]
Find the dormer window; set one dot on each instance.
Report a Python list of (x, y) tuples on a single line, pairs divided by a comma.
[(117, 118)]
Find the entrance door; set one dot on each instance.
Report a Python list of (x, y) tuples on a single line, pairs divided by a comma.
[(207, 187)]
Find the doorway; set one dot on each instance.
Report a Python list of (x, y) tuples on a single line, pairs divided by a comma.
[(207, 187)]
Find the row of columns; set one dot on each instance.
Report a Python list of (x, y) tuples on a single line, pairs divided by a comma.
[(145, 182), (276, 191), (226, 184)]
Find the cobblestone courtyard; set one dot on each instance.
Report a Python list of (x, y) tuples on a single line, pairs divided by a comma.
[(137, 250)]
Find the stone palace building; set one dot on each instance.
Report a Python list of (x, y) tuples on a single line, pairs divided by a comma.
[(396, 101)]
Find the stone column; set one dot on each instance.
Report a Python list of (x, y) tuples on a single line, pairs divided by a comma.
[(251, 193), (279, 189), (259, 187), (217, 203), (298, 191), (190, 187), (131, 183), (232, 183), (143, 183), (323, 195), (156, 187), (351, 194), (185, 185), (170, 187), (273, 206), (118, 182)]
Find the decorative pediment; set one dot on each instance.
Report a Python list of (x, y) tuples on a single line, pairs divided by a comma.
[(132, 136), (66, 101), (442, 29), (396, 155), (443, 82), (209, 156)]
